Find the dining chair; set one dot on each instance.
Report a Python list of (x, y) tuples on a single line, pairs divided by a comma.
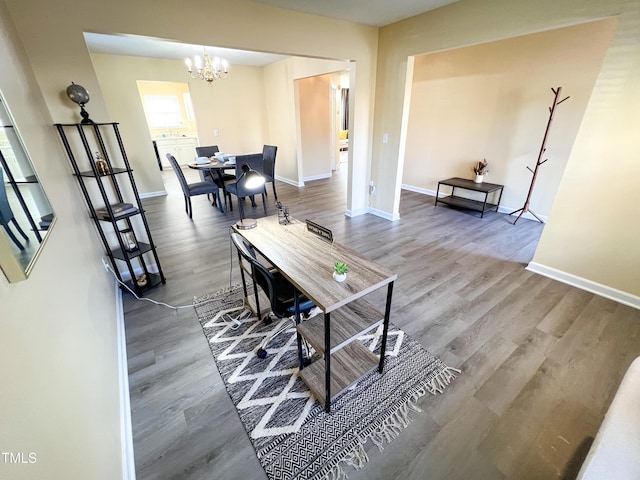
[(280, 292), (241, 188), (219, 177), (6, 215), (193, 189), (269, 158)]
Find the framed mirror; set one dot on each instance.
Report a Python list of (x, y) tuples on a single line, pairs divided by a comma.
[(26, 216)]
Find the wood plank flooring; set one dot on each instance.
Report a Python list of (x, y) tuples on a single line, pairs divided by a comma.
[(540, 360)]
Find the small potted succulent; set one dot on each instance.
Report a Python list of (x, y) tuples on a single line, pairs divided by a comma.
[(480, 169), (340, 270)]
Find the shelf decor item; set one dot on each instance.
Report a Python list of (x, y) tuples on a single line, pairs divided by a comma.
[(480, 169), (283, 214), (102, 165), (129, 241), (340, 270), (78, 94)]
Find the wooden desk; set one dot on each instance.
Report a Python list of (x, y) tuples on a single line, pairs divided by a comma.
[(307, 262)]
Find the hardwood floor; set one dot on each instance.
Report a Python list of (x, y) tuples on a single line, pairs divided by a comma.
[(540, 360)]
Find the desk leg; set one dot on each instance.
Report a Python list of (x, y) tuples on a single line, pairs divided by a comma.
[(437, 195), (327, 363), (385, 328), (298, 336)]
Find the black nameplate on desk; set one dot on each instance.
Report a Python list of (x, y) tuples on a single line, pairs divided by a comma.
[(320, 231)]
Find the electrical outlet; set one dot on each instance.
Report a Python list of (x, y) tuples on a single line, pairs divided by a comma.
[(385, 138), (372, 188), (216, 132)]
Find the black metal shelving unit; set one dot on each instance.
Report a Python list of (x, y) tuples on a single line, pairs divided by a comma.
[(105, 139)]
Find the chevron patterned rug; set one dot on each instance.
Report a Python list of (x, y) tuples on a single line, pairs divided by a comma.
[(294, 438)]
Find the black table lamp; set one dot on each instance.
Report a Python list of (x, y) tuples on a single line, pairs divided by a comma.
[(250, 179)]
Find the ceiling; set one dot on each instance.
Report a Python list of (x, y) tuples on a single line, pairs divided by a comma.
[(377, 13), (156, 48), (370, 12)]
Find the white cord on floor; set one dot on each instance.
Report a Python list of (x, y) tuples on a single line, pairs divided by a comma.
[(162, 304), (235, 320)]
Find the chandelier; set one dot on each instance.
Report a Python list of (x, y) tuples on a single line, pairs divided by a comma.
[(215, 69)]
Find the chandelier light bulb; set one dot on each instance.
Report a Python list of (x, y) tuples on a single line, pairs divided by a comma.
[(208, 71)]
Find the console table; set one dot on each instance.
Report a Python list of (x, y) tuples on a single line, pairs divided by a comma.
[(468, 203)]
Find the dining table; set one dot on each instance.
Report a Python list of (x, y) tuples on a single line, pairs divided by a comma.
[(215, 168)]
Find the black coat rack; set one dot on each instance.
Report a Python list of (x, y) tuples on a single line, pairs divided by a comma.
[(543, 148)]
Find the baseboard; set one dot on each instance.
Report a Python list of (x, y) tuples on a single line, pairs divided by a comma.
[(383, 214), (356, 213), (290, 182), (322, 176), (424, 191), (161, 193), (584, 284), (501, 209), (528, 216), (126, 431)]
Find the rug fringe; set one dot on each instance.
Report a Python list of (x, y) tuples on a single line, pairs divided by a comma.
[(442, 380), (391, 426)]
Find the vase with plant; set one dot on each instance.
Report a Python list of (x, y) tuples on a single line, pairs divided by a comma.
[(340, 270), (480, 169)]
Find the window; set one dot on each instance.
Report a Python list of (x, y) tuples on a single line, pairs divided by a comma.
[(163, 111)]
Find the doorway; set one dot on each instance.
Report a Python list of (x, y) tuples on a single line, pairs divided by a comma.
[(322, 124), (170, 120)]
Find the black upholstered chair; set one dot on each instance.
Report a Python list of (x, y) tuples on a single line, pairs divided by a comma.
[(282, 295), (193, 189), (241, 188), (269, 156), (219, 177), (207, 151), (6, 215)]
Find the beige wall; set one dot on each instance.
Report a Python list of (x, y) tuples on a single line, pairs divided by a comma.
[(235, 107), (283, 110), (59, 397), (587, 235), (315, 126), (59, 55), (491, 101)]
